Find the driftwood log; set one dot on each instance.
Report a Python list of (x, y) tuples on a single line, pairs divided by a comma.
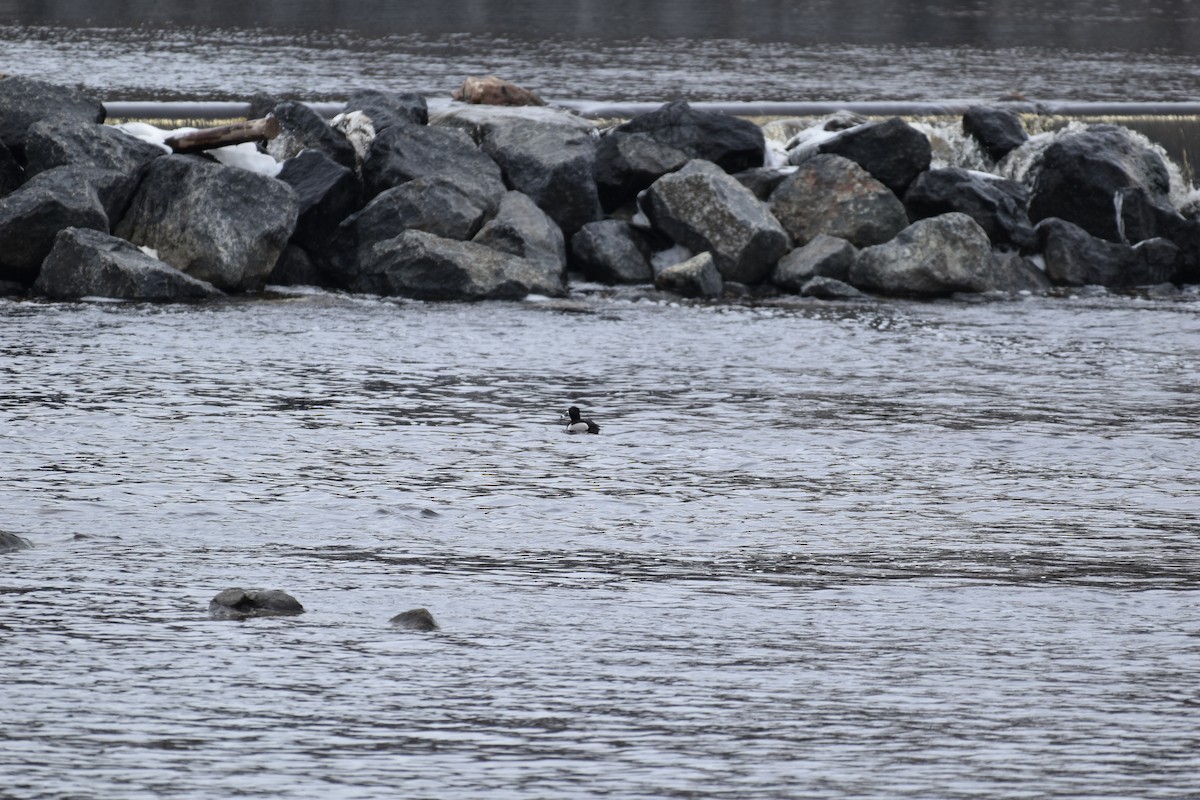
[(252, 130)]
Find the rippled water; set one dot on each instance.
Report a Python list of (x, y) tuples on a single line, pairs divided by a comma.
[(876, 551)]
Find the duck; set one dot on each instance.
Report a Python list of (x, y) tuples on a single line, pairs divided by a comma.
[(579, 425)]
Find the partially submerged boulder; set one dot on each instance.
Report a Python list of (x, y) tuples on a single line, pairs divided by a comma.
[(417, 619), (24, 101), (893, 151), (999, 206), (1076, 258), (825, 256), (936, 256), (11, 541), (238, 604), (90, 263), (832, 195), (611, 251), (223, 225), (696, 277), (823, 287), (704, 208)]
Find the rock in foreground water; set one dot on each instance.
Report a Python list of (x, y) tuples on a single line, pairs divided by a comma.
[(417, 619), (246, 603), (11, 541)]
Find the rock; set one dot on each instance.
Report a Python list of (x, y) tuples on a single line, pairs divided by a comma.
[(402, 153), (1076, 258), (241, 604), (301, 128), (936, 256), (1081, 173), (523, 229), (825, 256), (11, 541), (418, 619), (32, 216), (327, 193), (823, 287), (296, 267), (261, 103), (61, 142), (696, 277), (1142, 218), (893, 152), (24, 101), (495, 91), (1014, 273), (11, 173), (223, 225), (633, 155), (997, 130), (763, 180), (999, 206), (91, 263), (551, 164), (480, 122), (835, 196), (611, 251), (387, 108), (704, 208), (428, 267)]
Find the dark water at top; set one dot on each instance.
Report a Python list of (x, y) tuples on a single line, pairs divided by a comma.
[(622, 50)]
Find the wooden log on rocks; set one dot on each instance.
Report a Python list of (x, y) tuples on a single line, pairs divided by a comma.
[(253, 130)]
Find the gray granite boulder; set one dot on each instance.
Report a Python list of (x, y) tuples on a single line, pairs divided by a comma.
[(10, 542), (611, 251), (428, 267), (704, 208), (999, 206), (936, 256), (417, 619), (24, 101), (522, 229), (403, 153), (1074, 257), (220, 224), (326, 192), (90, 263), (835, 196), (893, 151), (301, 128), (11, 172), (997, 130), (295, 267), (61, 142), (825, 256), (386, 109), (239, 604), (1014, 273), (696, 277)]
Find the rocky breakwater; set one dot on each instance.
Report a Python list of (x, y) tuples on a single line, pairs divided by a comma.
[(482, 202)]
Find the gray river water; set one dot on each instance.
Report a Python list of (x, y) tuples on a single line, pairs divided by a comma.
[(817, 550)]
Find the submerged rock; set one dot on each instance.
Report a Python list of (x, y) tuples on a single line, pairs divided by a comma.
[(11, 541), (696, 277), (936, 256), (245, 603), (831, 195), (417, 619), (611, 251)]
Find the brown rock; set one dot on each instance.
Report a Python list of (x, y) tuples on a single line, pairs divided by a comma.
[(493, 91)]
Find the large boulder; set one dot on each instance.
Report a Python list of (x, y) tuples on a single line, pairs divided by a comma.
[(403, 153), (238, 604), (302, 128), (11, 541), (696, 277), (1081, 173), (552, 164), (416, 619), (704, 208), (386, 109), (11, 173), (999, 206), (53, 143), (835, 196), (633, 155), (522, 229), (611, 251), (223, 225), (428, 267), (327, 193), (90, 263), (32, 216), (935, 256), (894, 152), (1074, 257), (997, 130), (1142, 218), (24, 101), (1014, 273), (825, 256)]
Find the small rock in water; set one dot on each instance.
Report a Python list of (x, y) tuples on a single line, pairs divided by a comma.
[(245, 603), (10, 542), (417, 619)]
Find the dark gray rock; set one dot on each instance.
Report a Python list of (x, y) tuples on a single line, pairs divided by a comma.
[(32, 216), (1142, 218), (1080, 174), (1076, 258), (624, 168), (11, 173), (999, 206), (825, 256), (823, 287), (402, 153), (611, 251), (241, 604), (696, 277), (24, 101), (387, 108), (1014, 273), (61, 142), (428, 267), (998, 130), (301, 128), (935, 256), (835, 196), (704, 208), (223, 225), (11, 541), (417, 619), (763, 180), (551, 164), (894, 152), (90, 263), (296, 267), (522, 229), (327, 193)]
